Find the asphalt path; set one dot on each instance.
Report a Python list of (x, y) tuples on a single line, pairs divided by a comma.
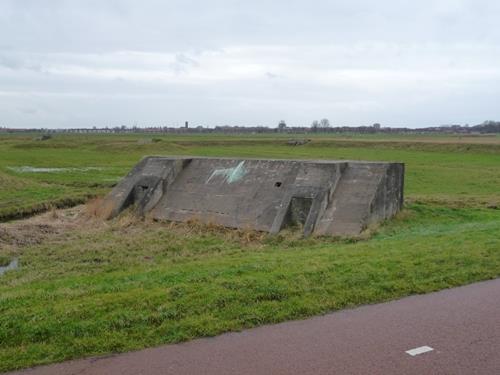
[(460, 325)]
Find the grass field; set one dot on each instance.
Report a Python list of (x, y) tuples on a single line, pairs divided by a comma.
[(96, 288), (438, 168)]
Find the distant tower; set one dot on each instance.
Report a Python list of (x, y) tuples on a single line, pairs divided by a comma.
[(186, 124)]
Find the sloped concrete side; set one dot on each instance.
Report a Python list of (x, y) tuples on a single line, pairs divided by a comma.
[(143, 186), (366, 193), (325, 197)]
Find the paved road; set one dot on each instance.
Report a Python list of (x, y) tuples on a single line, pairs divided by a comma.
[(462, 325)]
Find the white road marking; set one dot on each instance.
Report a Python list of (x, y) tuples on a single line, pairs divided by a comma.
[(419, 350)]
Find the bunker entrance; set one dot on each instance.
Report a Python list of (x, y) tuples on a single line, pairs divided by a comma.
[(298, 211), (140, 192)]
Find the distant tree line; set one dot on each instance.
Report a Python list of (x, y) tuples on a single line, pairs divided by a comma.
[(316, 126), (488, 127), (320, 125)]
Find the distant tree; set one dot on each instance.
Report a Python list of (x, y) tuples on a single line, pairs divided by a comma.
[(324, 123), (315, 125), (282, 125), (376, 126)]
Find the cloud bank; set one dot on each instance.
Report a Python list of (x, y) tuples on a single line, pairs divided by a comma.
[(106, 63)]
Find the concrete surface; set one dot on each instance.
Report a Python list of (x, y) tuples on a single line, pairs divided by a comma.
[(461, 325), (337, 198)]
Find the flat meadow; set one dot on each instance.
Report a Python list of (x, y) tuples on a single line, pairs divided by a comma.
[(86, 287)]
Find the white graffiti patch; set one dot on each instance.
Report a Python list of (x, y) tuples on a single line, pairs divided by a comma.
[(230, 174)]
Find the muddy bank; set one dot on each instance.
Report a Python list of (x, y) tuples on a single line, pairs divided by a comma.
[(34, 230)]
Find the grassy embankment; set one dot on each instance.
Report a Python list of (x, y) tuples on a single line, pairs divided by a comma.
[(119, 287)]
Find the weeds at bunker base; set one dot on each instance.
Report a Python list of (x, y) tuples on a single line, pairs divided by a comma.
[(336, 198)]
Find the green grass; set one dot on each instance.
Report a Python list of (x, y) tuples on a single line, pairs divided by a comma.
[(4, 260), (21, 196), (113, 288), (439, 169), (120, 289)]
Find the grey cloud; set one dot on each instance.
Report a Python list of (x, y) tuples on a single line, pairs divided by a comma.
[(96, 26), (10, 62), (271, 75), (183, 63), (13, 61), (28, 111)]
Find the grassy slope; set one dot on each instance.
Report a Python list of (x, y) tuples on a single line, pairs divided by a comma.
[(106, 291), (120, 288), (20, 196)]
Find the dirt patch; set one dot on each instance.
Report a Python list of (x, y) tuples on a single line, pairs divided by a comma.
[(36, 229), (26, 234), (98, 208)]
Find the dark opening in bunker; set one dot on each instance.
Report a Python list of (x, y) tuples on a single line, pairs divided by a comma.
[(277, 184), (298, 211), (139, 193)]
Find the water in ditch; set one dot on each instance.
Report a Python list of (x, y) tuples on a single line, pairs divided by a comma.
[(14, 263)]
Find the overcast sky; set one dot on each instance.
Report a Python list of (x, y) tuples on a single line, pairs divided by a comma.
[(79, 63)]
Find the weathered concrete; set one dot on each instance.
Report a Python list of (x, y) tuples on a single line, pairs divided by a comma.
[(327, 197)]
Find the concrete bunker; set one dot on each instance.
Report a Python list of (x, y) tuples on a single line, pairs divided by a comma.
[(325, 197)]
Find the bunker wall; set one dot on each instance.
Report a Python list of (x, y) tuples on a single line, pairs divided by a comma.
[(325, 197)]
